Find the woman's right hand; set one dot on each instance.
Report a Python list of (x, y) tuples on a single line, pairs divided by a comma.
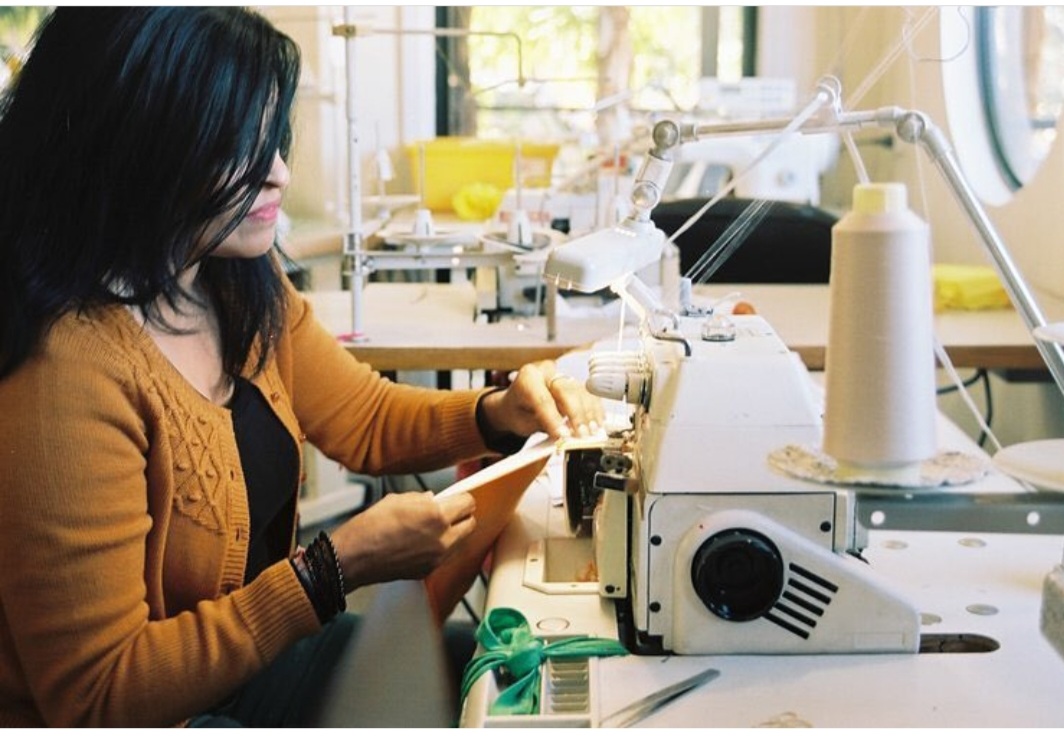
[(402, 536)]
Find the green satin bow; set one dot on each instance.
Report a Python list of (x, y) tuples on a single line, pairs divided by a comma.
[(508, 642)]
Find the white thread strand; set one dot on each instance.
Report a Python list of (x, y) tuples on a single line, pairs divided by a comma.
[(892, 53), (951, 371), (736, 233), (818, 101), (855, 158)]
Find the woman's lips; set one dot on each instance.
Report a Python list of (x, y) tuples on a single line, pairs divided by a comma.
[(265, 213)]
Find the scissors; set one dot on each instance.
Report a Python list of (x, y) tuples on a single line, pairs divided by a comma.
[(655, 701)]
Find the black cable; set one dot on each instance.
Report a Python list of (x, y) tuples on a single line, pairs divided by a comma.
[(981, 374), (469, 609)]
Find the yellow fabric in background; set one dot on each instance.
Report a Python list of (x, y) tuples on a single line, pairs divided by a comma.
[(961, 286), (477, 201)]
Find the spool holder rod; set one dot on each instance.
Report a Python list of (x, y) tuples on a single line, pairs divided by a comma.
[(917, 128)]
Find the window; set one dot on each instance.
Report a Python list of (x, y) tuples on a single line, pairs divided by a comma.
[(1020, 63), (581, 64)]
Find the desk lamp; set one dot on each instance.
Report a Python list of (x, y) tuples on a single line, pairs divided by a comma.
[(610, 258)]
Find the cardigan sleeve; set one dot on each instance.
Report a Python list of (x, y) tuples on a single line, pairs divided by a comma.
[(360, 419), (74, 528)]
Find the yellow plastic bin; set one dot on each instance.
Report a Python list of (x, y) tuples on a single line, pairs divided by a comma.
[(451, 163)]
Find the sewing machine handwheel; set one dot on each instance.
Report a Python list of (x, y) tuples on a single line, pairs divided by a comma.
[(738, 574)]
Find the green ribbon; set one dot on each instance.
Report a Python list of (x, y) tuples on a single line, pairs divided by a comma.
[(508, 642)]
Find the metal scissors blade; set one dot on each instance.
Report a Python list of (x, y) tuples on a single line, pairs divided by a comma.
[(649, 704)]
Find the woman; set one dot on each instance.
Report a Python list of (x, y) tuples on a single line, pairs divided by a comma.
[(158, 374)]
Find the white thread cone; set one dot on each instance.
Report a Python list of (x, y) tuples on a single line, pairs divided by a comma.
[(879, 417)]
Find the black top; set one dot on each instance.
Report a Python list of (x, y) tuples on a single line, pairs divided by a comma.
[(270, 460)]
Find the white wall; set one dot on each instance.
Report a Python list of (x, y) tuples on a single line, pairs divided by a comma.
[(394, 92), (860, 44)]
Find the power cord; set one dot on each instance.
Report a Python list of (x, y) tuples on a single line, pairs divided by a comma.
[(980, 375)]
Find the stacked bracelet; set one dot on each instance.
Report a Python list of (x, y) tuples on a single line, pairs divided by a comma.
[(319, 572)]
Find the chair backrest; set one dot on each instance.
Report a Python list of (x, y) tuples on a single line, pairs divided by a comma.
[(791, 245)]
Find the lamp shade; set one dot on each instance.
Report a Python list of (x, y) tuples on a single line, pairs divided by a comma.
[(594, 261)]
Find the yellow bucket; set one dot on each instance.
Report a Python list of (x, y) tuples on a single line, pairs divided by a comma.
[(452, 163)]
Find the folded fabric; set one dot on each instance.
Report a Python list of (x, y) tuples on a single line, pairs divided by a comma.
[(961, 286)]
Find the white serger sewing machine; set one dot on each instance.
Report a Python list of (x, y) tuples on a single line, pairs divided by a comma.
[(705, 546)]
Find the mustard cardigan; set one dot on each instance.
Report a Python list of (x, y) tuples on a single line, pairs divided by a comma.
[(124, 515)]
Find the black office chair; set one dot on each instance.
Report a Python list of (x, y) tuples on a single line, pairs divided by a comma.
[(791, 245)]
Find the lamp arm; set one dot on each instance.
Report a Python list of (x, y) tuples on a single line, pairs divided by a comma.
[(653, 174), (916, 127)]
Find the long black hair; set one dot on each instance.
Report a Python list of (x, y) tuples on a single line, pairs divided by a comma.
[(127, 132)]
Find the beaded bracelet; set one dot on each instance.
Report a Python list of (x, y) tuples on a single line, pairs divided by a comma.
[(319, 572), (330, 549)]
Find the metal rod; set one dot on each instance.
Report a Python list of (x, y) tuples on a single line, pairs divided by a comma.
[(882, 117), (384, 260), (938, 148), (350, 30), (916, 127), (353, 259), (355, 265), (1005, 512)]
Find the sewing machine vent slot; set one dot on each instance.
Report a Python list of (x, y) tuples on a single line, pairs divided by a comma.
[(566, 687), (804, 600)]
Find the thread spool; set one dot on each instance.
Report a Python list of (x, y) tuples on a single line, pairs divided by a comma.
[(879, 418)]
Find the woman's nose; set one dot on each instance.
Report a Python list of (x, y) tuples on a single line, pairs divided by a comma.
[(279, 174)]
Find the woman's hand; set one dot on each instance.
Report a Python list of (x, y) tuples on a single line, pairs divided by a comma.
[(402, 536), (542, 400)]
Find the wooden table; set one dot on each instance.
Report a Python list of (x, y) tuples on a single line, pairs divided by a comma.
[(994, 338), (426, 326)]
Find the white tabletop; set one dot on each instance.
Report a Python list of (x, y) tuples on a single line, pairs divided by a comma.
[(985, 584), (975, 584)]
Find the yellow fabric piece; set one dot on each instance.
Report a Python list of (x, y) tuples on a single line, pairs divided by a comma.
[(476, 202), (960, 286)]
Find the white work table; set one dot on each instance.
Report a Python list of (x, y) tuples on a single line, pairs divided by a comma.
[(978, 584), (982, 584)]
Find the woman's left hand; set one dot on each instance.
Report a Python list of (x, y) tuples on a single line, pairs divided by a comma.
[(540, 399)]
